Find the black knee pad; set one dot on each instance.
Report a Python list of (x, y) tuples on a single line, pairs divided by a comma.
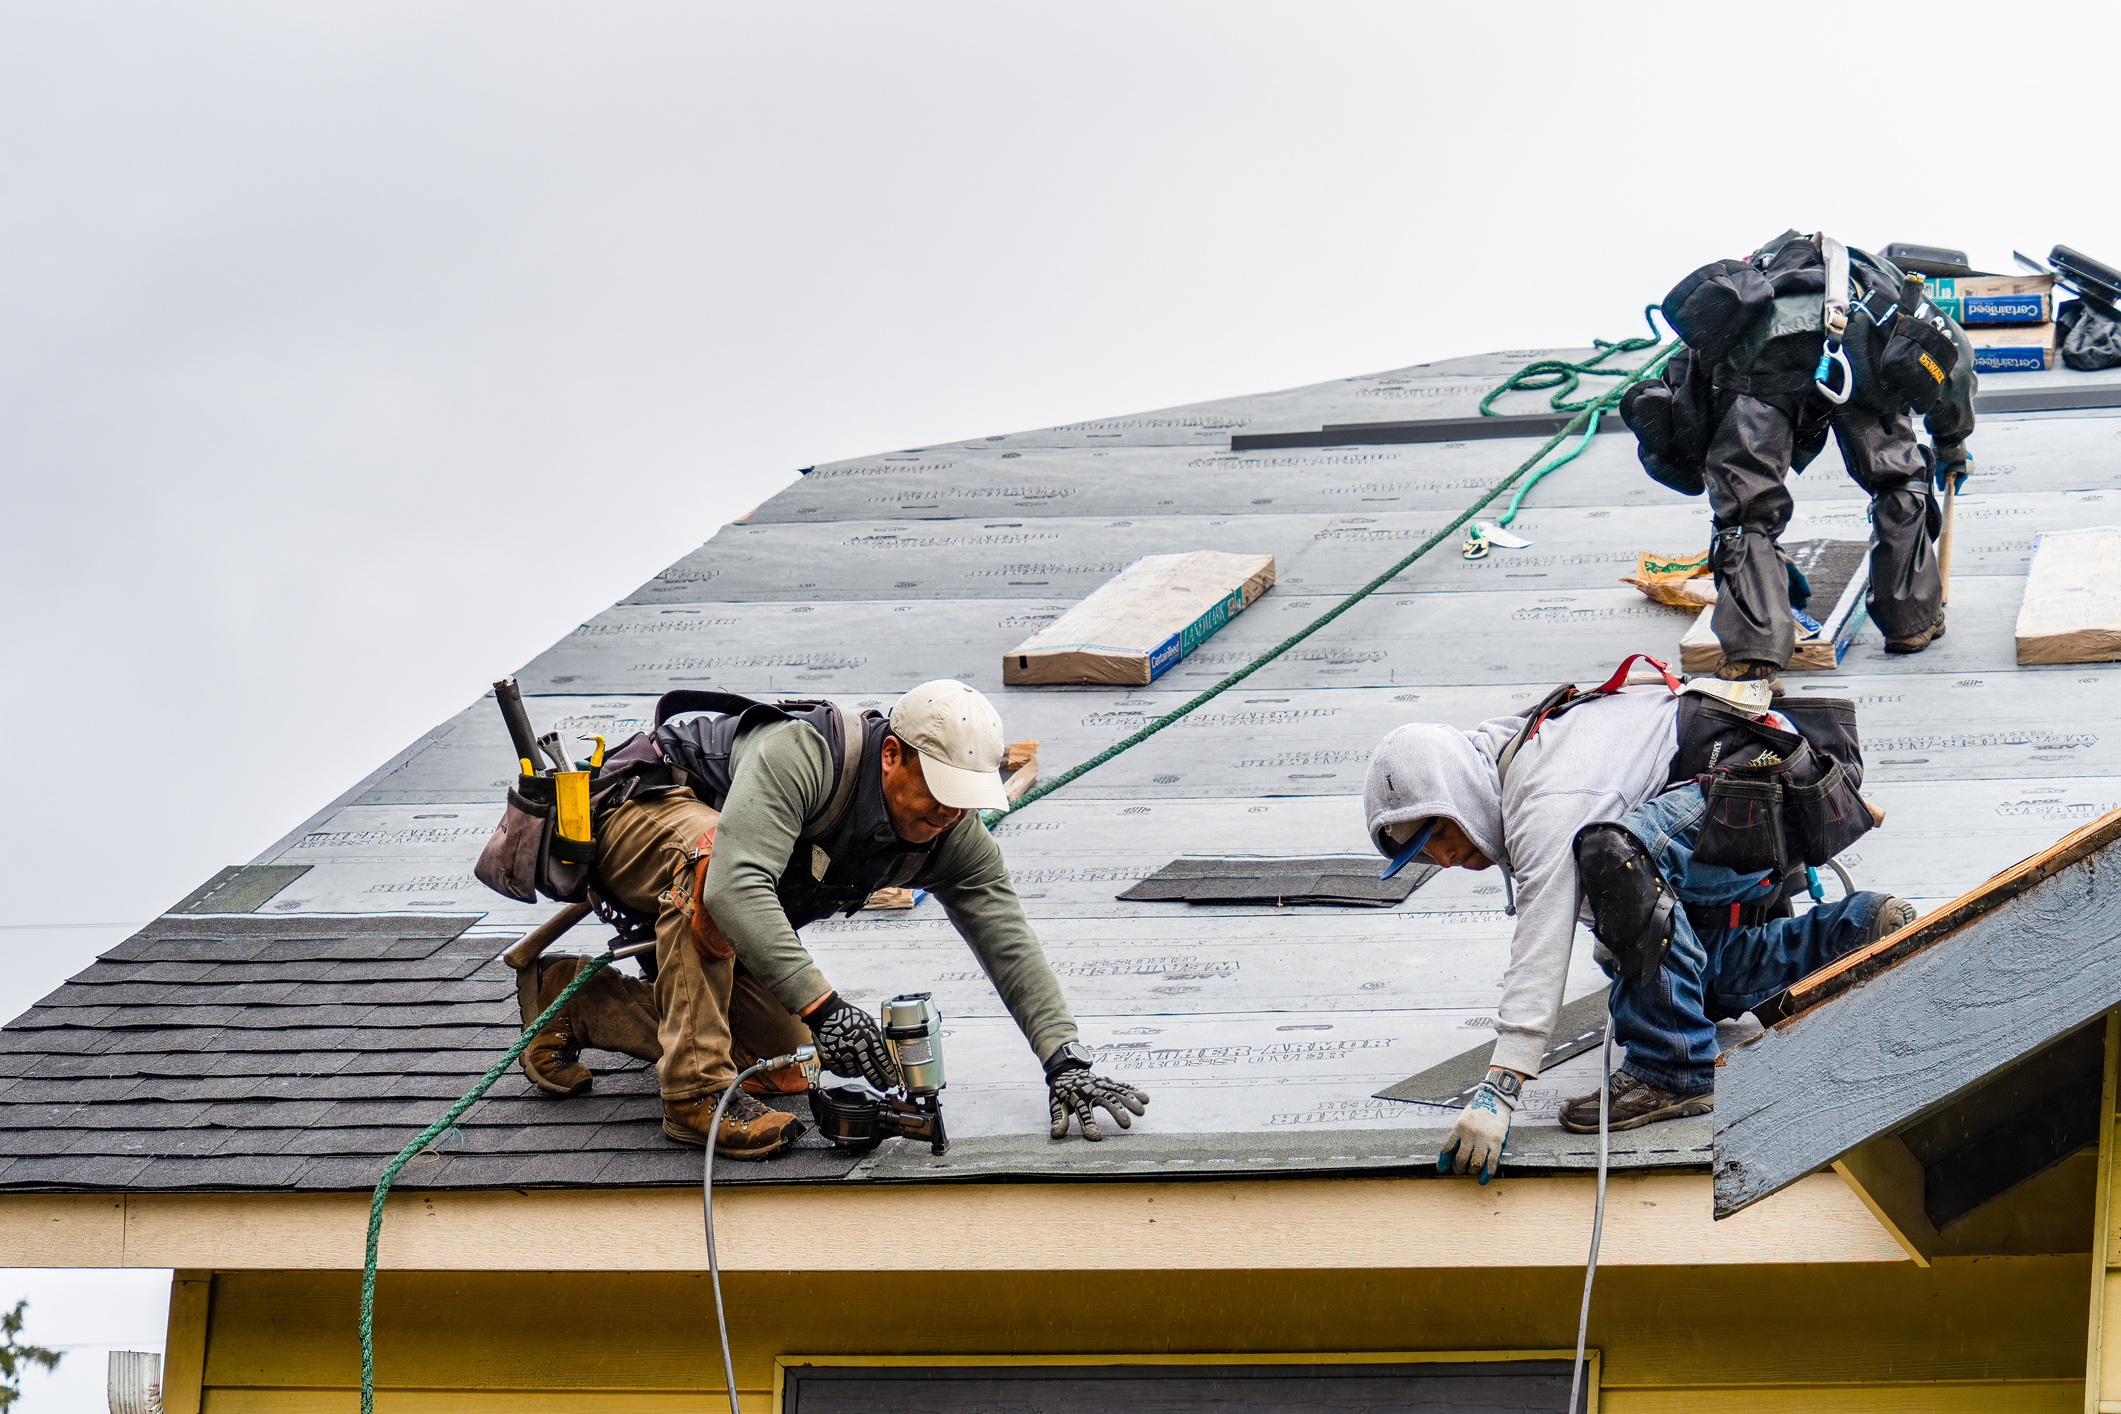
[(1632, 908)]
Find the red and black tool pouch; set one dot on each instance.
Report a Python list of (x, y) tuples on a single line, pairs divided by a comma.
[(1714, 308)]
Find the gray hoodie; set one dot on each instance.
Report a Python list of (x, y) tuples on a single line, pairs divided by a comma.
[(1597, 762)]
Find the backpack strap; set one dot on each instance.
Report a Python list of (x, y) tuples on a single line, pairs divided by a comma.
[(685, 699), (853, 736)]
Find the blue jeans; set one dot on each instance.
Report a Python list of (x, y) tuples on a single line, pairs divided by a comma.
[(1669, 1025)]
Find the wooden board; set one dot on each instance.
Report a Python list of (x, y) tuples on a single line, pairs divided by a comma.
[(2072, 610)]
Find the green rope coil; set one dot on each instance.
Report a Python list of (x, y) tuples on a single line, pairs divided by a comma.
[(1563, 376), (1585, 421), (447, 1121)]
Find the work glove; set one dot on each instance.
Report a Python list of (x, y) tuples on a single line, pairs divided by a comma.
[(1483, 1127), (850, 1043), (1953, 465), (1078, 1092)]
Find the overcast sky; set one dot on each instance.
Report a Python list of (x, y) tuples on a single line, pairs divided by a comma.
[(354, 353)]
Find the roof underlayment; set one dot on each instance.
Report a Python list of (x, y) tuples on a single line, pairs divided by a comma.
[(292, 1029)]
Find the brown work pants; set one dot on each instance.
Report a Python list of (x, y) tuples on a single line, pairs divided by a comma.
[(711, 1015)]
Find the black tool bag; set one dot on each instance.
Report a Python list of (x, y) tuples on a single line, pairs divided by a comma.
[(1717, 306), (1776, 799), (1916, 359), (1672, 417), (2091, 336)]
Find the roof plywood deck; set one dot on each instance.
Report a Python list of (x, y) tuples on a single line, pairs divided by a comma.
[(297, 1046)]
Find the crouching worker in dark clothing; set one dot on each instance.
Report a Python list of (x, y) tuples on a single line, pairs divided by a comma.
[(812, 811), (1804, 338), (1588, 823)]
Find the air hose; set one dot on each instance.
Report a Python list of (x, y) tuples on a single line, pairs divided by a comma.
[(1585, 422), (1590, 1266)]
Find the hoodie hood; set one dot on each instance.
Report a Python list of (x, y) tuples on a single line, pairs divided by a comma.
[(1424, 770)]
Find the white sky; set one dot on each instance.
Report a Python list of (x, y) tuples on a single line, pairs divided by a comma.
[(355, 353)]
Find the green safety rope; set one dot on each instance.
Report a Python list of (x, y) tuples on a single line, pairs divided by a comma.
[(1563, 376), (448, 1120), (1585, 421)]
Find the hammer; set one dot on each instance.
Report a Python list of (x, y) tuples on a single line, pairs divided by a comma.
[(526, 950)]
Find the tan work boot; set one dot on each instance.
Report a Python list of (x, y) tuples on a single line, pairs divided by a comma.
[(749, 1129), (1920, 639), (612, 1012), (553, 1059), (1635, 1102), (1752, 670)]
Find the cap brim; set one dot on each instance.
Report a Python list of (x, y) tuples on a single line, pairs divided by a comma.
[(1411, 848), (962, 789)]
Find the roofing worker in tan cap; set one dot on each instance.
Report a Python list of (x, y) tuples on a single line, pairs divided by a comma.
[(817, 810)]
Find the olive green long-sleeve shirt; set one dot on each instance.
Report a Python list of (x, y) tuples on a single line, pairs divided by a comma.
[(781, 775)]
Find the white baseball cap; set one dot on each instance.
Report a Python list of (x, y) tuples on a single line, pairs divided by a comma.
[(959, 737)]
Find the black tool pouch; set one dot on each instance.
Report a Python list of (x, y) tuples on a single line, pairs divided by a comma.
[(1717, 306), (1824, 815), (1670, 417), (1742, 830), (1915, 363)]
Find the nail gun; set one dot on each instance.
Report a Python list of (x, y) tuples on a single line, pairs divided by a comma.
[(858, 1119)]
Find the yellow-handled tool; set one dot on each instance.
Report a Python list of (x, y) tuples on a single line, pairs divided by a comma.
[(572, 790)]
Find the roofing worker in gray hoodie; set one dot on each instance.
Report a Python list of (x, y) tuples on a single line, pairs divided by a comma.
[(1435, 792)]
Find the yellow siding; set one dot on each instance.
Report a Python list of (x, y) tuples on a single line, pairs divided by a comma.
[(1995, 1334)]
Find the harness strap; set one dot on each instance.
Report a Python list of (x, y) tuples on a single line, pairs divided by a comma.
[(1562, 698), (853, 737), (1836, 256), (1619, 679)]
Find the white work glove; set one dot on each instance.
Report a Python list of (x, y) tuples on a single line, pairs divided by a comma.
[(1483, 1127)]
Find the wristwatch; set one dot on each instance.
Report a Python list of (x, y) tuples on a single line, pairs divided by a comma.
[(1506, 1082), (1072, 1056)]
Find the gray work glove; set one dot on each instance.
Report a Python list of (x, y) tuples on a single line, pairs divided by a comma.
[(850, 1043), (1483, 1127), (1078, 1092)]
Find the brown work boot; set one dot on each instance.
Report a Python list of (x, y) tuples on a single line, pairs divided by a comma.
[(1634, 1103), (1919, 640), (749, 1129), (553, 1059), (1752, 670)]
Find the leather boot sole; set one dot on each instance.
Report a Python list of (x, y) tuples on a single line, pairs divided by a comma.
[(1678, 1109), (699, 1141)]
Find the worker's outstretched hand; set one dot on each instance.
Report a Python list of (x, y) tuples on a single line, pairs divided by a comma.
[(1079, 1093), (1483, 1128), (850, 1043)]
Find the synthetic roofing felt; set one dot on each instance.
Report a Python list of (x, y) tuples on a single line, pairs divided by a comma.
[(293, 1029)]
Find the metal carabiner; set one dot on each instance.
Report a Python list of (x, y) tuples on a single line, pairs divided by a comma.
[(1830, 354)]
